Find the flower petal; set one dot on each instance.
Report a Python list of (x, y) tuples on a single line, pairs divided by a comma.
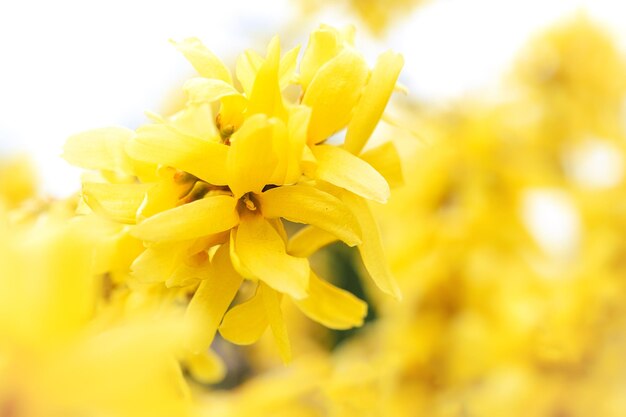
[(371, 249), (386, 161), (261, 251), (203, 60), (333, 94), (266, 97), (158, 262), (251, 160), (205, 367), (117, 202), (204, 217), (309, 240), (247, 66), (160, 144), (331, 306), (211, 300), (308, 205), (339, 167), (287, 67), (271, 301), (208, 90), (373, 101), (101, 149), (324, 44), (245, 323)]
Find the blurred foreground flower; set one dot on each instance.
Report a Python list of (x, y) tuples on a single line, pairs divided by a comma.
[(59, 354)]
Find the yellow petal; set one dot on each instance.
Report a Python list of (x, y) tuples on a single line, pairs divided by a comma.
[(206, 367), (324, 44), (297, 127), (203, 60), (196, 121), (200, 218), (339, 167), (211, 300), (287, 67), (117, 202), (247, 66), (261, 251), (386, 161), (245, 323), (371, 249), (373, 101), (331, 306), (309, 240), (158, 262), (160, 144), (266, 97), (333, 94), (251, 159), (271, 301), (308, 205), (101, 149), (206, 90)]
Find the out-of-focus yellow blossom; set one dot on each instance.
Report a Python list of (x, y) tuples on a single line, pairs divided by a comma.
[(378, 15), (57, 356), (208, 194), (17, 181)]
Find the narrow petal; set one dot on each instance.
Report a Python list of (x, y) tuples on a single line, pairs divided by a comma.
[(309, 240), (266, 97), (261, 250), (371, 250), (339, 167), (324, 44), (207, 90), (251, 160), (200, 218), (297, 127), (203, 60), (247, 66), (245, 323), (373, 101), (158, 262), (287, 67), (101, 149), (308, 205), (196, 121), (386, 161), (333, 94), (117, 202), (331, 306), (160, 144), (271, 301), (211, 300), (205, 367)]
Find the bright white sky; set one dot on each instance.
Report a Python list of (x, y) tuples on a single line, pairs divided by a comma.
[(72, 65)]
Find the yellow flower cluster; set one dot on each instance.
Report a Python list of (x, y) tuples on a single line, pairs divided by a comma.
[(496, 319), (208, 189)]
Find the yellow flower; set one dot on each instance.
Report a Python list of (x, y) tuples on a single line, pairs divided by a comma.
[(17, 181), (213, 191), (57, 356)]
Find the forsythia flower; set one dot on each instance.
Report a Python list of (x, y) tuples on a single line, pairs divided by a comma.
[(208, 194), (57, 356)]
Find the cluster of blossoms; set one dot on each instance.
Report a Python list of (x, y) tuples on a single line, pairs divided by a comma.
[(495, 320), (208, 189)]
